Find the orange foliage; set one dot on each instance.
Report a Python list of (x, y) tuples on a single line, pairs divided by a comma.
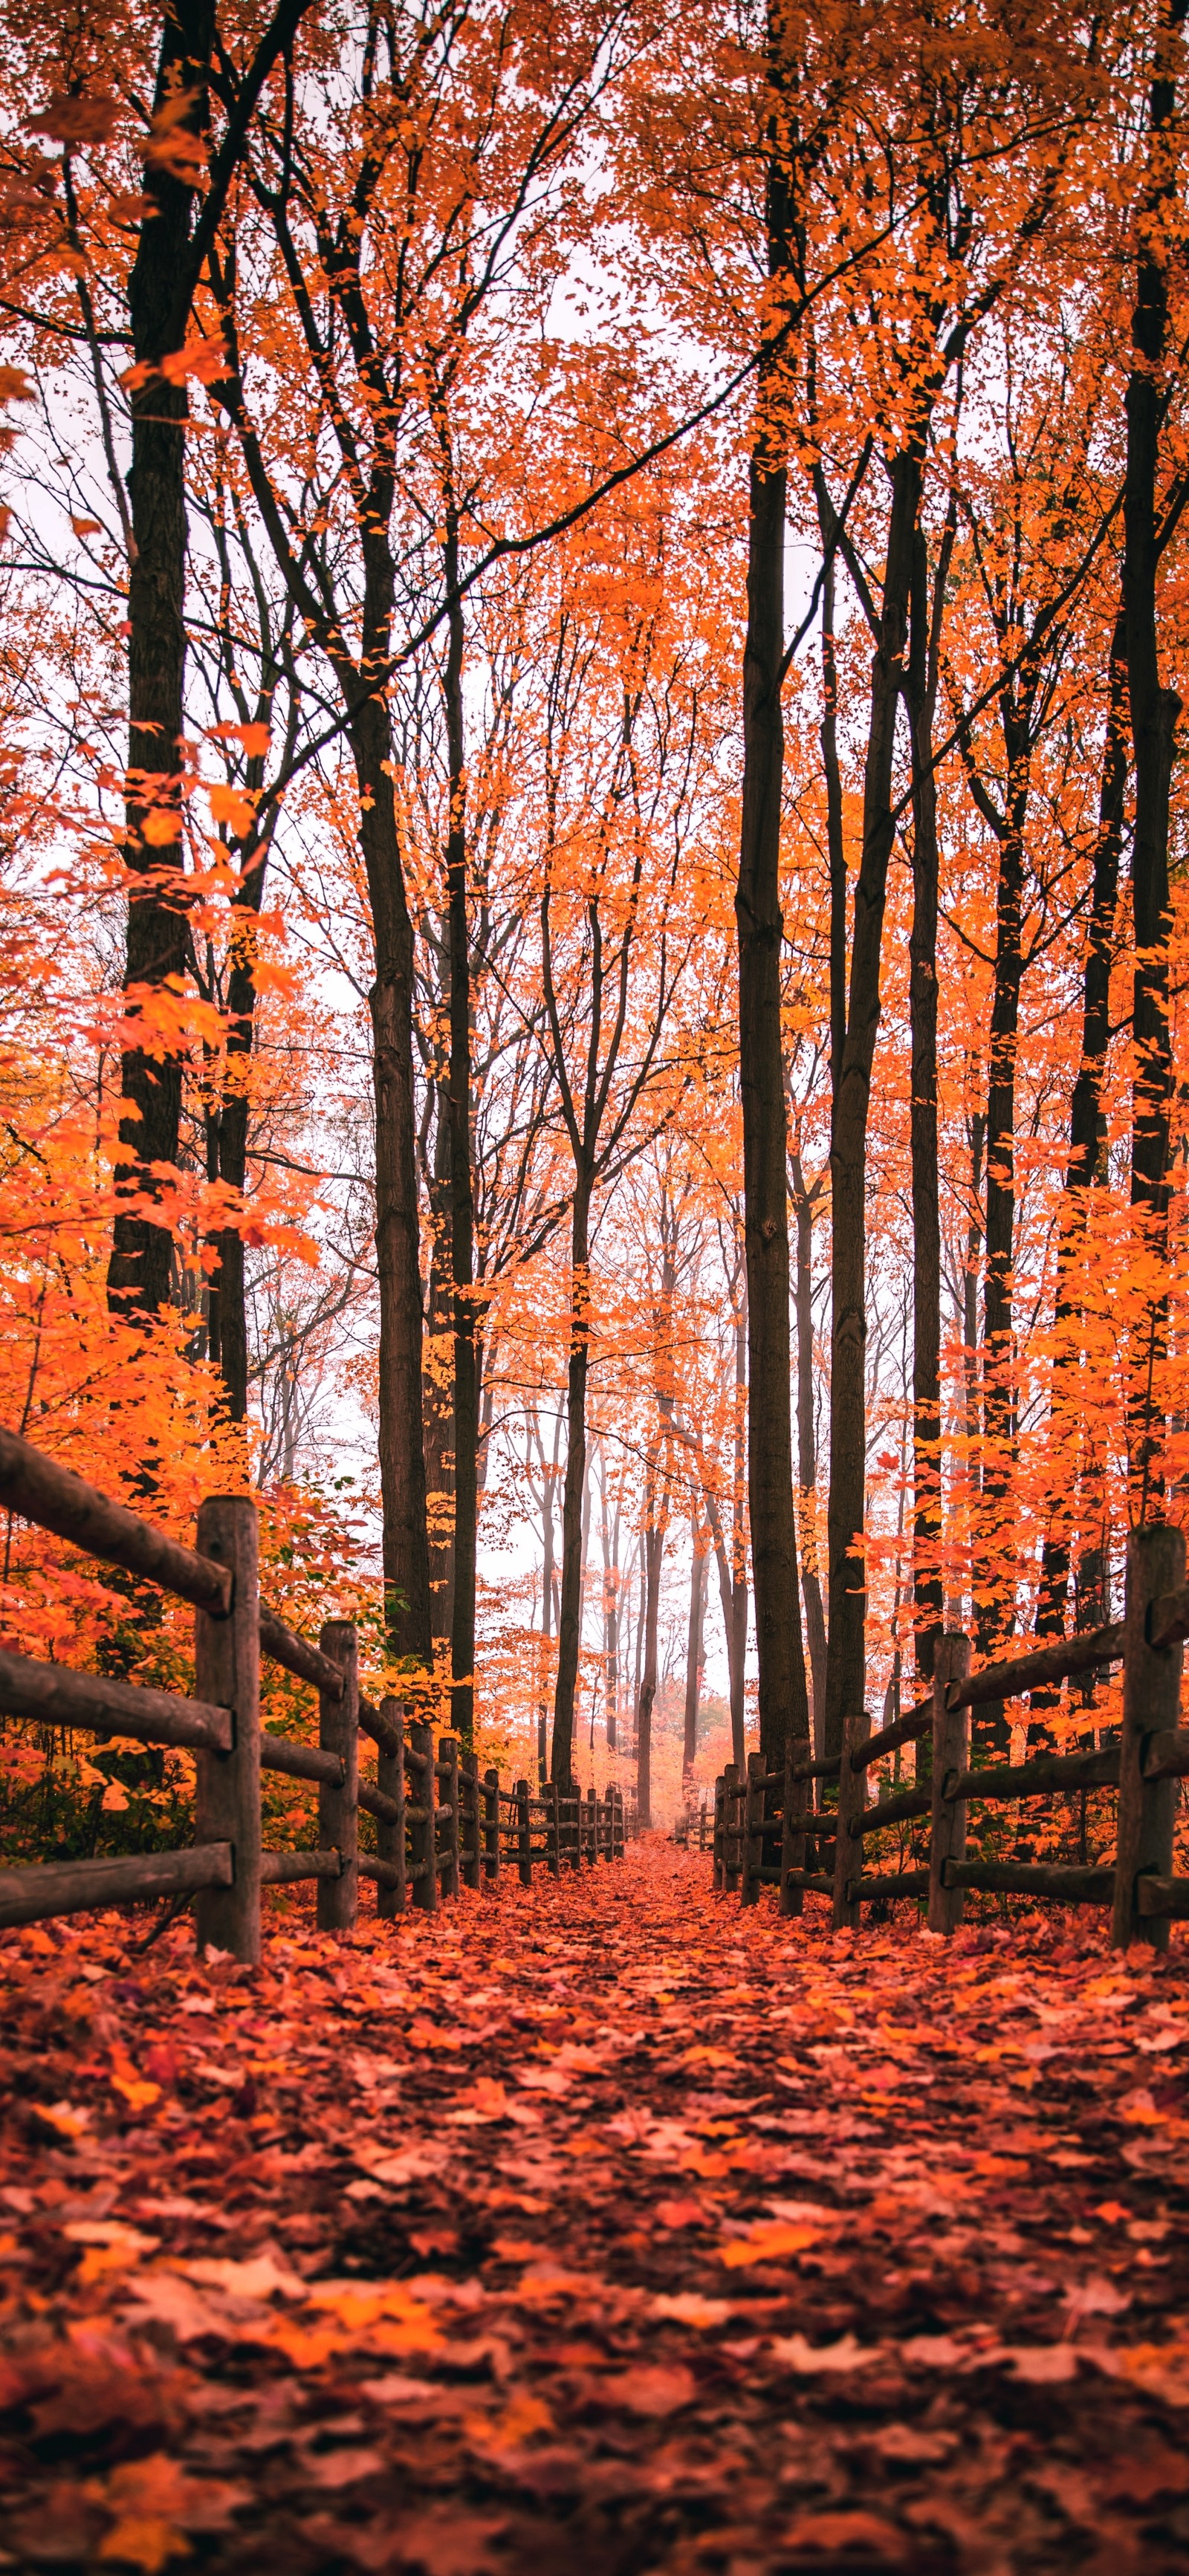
[(569, 2180)]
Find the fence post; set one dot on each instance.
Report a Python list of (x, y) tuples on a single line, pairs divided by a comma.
[(390, 1838), (524, 1849), (730, 1836), (552, 1827), (491, 1824), (227, 1671), (619, 1827), (338, 1809), (718, 1878), (753, 1820), (1151, 1700), (470, 1845), (951, 1752), (447, 1773), (852, 1798), (423, 1831), (792, 1845)]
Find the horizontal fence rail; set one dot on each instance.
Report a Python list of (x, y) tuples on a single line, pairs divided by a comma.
[(82, 1886), (438, 1825), (54, 1498), (769, 1830), (89, 1702)]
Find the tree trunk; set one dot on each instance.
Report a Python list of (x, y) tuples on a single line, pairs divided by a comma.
[(999, 1399), (1154, 711), (569, 1640), (845, 1657), (835, 840), (693, 1650), (784, 1709), (438, 1385), (815, 1617), (585, 1555), (610, 1536), (638, 1651), (928, 1605), (227, 1321), (1085, 1121), (462, 1205), (227, 1327), (547, 1587), (401, 1432), (998, 1376), (971, 1387), (549, 1578), (737, 1631), (654, 1549), (158, 938)]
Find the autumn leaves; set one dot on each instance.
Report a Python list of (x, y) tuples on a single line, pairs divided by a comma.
[(584, 2212), (524, 900)]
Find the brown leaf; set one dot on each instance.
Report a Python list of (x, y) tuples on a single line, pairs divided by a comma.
[(648, 2391), (832, 2533)]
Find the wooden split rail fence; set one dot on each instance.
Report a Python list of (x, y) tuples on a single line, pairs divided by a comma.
[(438, 1824), (769, 1831)]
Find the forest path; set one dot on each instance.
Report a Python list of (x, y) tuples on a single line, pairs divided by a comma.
[(595, 2228)]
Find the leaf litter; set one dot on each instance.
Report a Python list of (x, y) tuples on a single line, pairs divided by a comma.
[(596, 2226)]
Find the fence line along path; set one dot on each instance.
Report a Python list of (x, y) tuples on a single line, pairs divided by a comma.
[(768, 1830), (438, 1825)]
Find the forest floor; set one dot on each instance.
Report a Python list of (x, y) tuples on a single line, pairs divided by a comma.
[(595, 2229)]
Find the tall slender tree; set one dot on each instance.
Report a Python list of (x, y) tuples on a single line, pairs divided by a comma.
[(1154, 711)]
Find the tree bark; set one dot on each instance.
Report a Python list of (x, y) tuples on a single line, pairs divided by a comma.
[(610, 1539), (737, 1629), (835, 840), (548, 1586), (569, 1636), (462, 1204), (437, 1399), (638, 1646), (998, 1370), (999, 1400), (158, 936), (401, 1437), (815, 1617), (693, 1650), (976, 1126), (1085, 1120), (845, 1657), (784, 1708), (227, 1327), (928, 1605), (1154, 711), (654, 1549)]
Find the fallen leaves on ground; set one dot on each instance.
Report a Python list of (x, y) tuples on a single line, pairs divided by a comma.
[(599, 2226)]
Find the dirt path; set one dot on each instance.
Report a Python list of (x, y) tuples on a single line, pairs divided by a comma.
[(599, 2229)]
